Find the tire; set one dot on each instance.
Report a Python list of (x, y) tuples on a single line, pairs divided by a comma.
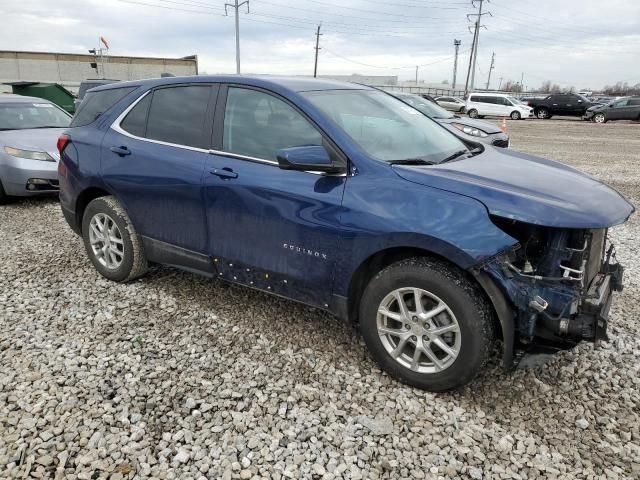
[(437, 284), (473, 113), (543, 113), (600, 118), (4, 198), (515, 115), (124, 259)]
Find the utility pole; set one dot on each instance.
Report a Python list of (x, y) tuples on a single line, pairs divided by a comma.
[(476, 40), (473, 46), (237, 6), (522, 82), (456, 44), (493, 58), (315, 66), (500, 84), (417, 66)]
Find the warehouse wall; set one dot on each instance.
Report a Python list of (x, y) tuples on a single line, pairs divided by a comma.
[(70, 69)]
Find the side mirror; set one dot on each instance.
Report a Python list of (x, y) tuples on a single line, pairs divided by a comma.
[(313, 158)]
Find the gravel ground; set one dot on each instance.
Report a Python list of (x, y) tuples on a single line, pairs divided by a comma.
[(175, 376)]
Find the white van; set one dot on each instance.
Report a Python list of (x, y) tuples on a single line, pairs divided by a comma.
[(496, 104)]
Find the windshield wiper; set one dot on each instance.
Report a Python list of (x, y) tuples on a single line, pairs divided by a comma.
[(411, 161), (44, 126), (455, 155)]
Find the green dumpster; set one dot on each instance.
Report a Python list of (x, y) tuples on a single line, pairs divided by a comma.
[(53, 92)]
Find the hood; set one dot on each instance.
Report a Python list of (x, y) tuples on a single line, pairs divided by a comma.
[(526, 188), (483, 125), (36, 139)]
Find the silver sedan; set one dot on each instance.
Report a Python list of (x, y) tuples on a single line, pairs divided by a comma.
[(29, 130)]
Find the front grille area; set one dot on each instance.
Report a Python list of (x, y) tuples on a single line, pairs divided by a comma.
[(500, 143), (596, 254)]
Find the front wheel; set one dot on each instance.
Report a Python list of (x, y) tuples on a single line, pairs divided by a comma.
[(473, 113), (426, 325), (515, 115), (111, 242), (542, 113), (599, 118)]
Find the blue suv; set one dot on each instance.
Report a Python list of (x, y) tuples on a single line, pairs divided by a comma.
[(347, 199)]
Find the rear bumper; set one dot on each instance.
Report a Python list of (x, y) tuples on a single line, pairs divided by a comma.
[(70, 217)]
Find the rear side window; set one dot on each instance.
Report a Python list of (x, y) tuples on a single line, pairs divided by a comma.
[(96, 103), (136, 120), (474, 99), (177, 115), (634, 102)]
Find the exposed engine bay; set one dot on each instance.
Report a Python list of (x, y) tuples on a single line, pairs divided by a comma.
[(559, 282)]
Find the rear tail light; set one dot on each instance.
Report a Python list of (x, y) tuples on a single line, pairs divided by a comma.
[(63, 140)]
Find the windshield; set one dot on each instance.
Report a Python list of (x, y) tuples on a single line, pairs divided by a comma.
[(384, 127), (21, 116), (430, 109)]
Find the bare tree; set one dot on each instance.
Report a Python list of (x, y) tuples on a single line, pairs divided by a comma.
[(548, 87), (511, 86), (621, 89)]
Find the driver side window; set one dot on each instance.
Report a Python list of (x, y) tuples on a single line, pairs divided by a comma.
[(257, 124)]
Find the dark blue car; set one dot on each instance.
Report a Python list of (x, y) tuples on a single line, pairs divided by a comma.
[(349, 200)]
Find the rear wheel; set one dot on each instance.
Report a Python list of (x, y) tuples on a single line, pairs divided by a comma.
[(111, 242), (426, 325), (543, 113), (599, 118), (515, 115), (473, 113)]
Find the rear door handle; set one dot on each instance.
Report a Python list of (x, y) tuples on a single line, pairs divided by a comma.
[(122, 151), (224, 173)]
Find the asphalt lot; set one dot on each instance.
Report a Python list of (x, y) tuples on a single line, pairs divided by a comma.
[(175, 376)]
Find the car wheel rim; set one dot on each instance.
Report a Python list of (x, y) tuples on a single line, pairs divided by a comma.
[(106, 241), (599, 118), (418, 330)]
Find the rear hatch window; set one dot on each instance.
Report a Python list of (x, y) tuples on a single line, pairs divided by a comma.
[(95, 104)]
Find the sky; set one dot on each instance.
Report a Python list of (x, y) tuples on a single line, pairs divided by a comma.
[(582, 43)]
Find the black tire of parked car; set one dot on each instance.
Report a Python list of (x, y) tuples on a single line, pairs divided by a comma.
[(470, 307), (134, 263), (515, 115), (543, 113), (599, 117), (473, 113), (4, 198)]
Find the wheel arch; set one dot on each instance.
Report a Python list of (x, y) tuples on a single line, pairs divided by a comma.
[(381, 259), (84, 198)]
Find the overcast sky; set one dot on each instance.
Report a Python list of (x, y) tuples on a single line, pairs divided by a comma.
[(583, 43)]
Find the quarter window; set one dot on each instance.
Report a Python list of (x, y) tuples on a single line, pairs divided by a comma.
[(177, 115), (257, 124), (136, 120), (95, 104)]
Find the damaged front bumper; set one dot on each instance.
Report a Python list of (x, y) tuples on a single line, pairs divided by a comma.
[(557, 298)]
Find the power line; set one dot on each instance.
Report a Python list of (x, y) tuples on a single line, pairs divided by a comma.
[(476, 41), (406, 67)]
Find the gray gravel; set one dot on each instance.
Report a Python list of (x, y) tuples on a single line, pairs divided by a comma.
[(175, 376)]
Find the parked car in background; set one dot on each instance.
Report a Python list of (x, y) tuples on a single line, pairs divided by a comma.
[(466, 128), (496, 105), (626, 108), (343, 197), (426, 96), (89, 84), (29, 130), (454, 104), (565, 104)]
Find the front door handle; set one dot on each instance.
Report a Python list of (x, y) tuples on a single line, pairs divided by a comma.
[(224, 173), (122, 151)]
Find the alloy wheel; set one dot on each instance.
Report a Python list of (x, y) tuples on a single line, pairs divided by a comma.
[(106, 241), (598, 118), (418, 330)]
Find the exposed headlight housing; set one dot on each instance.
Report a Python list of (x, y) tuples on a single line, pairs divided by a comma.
[(474, 132), (29, 154)]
